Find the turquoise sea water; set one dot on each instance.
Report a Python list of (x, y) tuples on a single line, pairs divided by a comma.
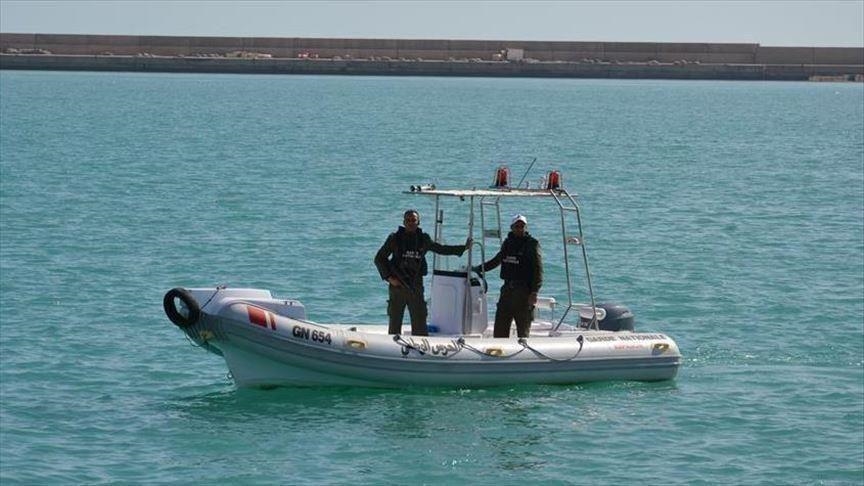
[(729, 215)]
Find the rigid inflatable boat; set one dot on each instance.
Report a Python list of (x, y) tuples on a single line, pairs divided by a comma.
[(268, 341)]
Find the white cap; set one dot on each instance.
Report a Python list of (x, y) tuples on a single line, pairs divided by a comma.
[(519, 217)]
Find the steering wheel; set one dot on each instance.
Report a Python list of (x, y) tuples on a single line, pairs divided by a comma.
[(482, 277)]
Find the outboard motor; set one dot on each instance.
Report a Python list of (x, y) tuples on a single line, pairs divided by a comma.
[(618, 318)]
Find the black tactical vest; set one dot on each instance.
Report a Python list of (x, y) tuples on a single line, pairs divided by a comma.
[(517, 263), (410, 253)]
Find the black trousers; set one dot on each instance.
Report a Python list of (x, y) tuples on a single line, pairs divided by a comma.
[(401, 297), (513, 305)]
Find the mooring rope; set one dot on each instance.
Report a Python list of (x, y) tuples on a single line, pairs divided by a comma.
[(467, 346), (218, 288), (525, 345), (397, 338)]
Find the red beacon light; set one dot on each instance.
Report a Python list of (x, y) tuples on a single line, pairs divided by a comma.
[(502, 177), (553, 180)]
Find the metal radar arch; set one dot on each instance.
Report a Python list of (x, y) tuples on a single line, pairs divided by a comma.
[(488, 200)]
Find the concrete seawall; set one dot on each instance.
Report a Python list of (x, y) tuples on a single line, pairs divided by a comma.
[(428, 57)]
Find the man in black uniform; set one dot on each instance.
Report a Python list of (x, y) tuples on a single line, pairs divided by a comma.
[(522, 273), (401, 261)]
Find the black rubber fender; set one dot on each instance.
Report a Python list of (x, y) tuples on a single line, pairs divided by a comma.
[(191, 304)]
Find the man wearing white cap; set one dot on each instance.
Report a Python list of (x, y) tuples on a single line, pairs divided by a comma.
[(522, 273)]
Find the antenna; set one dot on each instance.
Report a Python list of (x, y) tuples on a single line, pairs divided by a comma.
[(526, 173)]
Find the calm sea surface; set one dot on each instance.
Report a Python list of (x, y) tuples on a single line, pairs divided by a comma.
[(729, 215)]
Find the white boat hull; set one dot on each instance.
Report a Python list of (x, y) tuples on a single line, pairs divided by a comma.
[(267, 342)]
